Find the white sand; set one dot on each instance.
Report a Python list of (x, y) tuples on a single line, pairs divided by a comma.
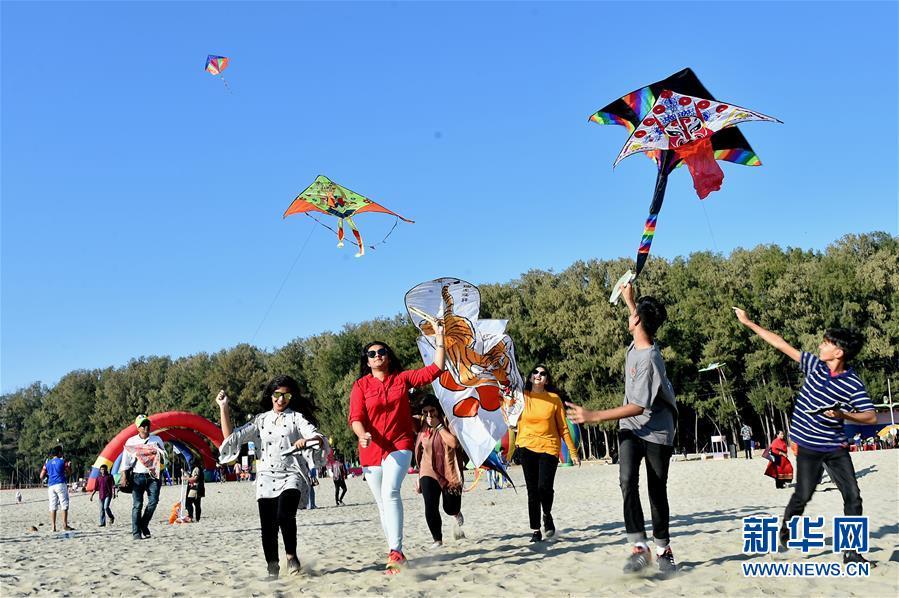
[(343, 549)]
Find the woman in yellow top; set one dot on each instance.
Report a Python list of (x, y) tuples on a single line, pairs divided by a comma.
[(541, 429)]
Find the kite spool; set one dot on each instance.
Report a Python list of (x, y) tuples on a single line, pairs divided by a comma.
[(627, 278)]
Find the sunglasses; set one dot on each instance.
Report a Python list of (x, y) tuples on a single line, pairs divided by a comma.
[(372, 354), (281, 395), (540, 373)]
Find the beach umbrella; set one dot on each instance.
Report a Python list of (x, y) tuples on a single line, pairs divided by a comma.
[(892, 429)]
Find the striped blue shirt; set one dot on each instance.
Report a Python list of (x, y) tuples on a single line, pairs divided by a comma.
[(821, 391)]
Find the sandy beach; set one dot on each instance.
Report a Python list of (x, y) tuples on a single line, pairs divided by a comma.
[(343, 550)]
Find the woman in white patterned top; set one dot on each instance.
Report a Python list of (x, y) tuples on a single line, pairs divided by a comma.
[(282, 476)]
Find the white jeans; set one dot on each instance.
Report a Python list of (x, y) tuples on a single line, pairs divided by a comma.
[(385, 482)]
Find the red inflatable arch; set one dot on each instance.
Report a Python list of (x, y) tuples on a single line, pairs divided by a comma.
[(195, 431), (195, 441)]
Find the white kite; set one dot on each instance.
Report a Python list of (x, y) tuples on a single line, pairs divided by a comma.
[(481, 389)]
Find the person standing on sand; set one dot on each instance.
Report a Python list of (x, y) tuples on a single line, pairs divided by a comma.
[(832, 393), (106, 487), (646, 421), (437, 454), (56, 469), (144, 457), (282, 476), (780, 467), (381, 418), (746, 435), (541, 431), (196, 490), (338, 475)]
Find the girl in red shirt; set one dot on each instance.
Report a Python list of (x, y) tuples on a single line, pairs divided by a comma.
[(381, 418)]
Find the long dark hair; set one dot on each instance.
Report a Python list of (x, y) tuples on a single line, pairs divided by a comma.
[(548, 385), (393, 364), (300, 403), (429, 400)]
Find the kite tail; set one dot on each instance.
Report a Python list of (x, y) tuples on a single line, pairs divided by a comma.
[(340, 232), (357, 235), (649, 231), (658, 196), (228, 87)]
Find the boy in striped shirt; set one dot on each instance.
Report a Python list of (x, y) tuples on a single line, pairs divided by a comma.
[(831, 392)]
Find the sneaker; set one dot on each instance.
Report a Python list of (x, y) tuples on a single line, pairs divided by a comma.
[(638, 560), (274, 569), (395, 562), (460, 519), (665, 561), (102, 525), (536, 536), (784, 538), (145, 535), (549, 526), (111, 519), (852, 556), (293, 566), (437, 544)]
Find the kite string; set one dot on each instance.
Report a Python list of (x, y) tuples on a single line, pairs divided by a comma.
[(709, 224), (396, 221), (283, 282)]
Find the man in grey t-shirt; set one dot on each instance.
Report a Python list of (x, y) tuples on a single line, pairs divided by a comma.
[(647, 385), (646, 420)]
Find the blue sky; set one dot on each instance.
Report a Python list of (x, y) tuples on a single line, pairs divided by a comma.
[(142, 202)]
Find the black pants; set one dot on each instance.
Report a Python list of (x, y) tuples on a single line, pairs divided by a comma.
[(192, 505), (809, 468), (339, 491), (539, 475), (747, 448), (452, 504), (658, 457), (280, 512)]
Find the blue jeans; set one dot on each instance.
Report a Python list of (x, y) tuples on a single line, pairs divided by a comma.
[(311, 503), (105, 510), (140, 521)]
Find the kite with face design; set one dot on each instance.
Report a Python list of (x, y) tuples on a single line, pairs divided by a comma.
[(677, 121)]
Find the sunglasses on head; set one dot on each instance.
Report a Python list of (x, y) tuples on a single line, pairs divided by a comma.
[(539, 372), (281, 395), (372, 354)]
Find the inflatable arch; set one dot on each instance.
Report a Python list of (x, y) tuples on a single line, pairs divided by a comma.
[(188, 429)]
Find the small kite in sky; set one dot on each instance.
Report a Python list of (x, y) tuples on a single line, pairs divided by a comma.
[(215, 65), (677, 121), (327, 197)]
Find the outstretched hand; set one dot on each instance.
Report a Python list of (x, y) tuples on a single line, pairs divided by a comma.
[(741, 316), (576, 413)]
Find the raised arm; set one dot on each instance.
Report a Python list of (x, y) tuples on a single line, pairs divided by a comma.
[(440, 353), (769, 337), (224, 413)]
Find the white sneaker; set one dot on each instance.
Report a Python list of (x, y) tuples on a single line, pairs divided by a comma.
[(437, 544)]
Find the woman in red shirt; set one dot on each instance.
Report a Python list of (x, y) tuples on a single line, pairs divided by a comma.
[(780, 467), (381, 418)]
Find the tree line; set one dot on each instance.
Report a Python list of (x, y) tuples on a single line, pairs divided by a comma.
[(563, 320)]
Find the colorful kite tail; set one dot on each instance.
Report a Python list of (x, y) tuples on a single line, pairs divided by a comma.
[(358, 237), (649, 231), (340, 232)]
